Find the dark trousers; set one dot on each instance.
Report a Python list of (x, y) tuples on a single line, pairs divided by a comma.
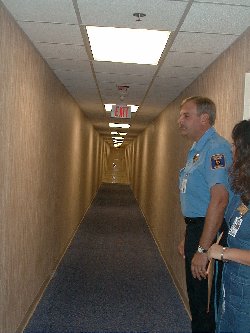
[(202, 321)]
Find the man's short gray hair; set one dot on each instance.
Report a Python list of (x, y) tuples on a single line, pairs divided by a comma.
[(204, 105)]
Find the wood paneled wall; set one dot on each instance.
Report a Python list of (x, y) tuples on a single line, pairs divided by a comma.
[(116, 170), (51, 167), (158, 154)]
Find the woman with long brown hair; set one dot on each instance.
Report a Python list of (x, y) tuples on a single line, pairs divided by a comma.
[(234, 312)]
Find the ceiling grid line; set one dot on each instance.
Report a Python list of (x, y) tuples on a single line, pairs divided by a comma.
[(201, 31)]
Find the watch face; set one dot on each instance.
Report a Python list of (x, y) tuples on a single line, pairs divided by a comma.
[(201, 250)]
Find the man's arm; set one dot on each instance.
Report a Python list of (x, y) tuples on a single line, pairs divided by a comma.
[(214, 218)]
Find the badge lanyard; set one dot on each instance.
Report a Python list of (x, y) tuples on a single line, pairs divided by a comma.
[(189, 166)]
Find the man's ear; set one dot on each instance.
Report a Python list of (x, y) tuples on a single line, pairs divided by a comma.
[(205, 118)]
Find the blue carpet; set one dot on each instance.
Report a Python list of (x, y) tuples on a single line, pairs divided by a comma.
[(112, 279)]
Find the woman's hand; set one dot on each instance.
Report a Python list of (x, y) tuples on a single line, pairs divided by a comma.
[(215, 252)]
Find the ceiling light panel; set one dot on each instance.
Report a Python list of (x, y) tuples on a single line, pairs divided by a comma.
[(127, 45), (115, 125)]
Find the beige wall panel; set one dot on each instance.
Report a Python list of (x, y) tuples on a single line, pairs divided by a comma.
[(116, 171), (158, 154), (49, 172)]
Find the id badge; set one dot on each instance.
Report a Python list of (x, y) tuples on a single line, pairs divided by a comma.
[(184, 185), (235, 226)]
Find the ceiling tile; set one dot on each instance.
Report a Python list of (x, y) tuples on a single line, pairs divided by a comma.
[(215, 18), (126, 79), (62, 51), (161, 100), (149, 111), (202, 42), (93, 108), (61, 11), (112, 86), (181, 73), (160, 14), (74, 75), (69, 64), (86, 91), (119, 68), (135, 127), (52, 33), (190, 59)]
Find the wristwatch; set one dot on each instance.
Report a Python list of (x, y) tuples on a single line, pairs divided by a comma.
[(201, 249)]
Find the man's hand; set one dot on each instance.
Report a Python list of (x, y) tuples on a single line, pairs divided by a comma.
[(199, 266), (181, 248)]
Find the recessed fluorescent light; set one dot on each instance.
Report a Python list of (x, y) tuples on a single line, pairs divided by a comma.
[(134, 46), (134, 108), (123, 133), (108, 107), (119, 125), (114, 133), (118, 140)]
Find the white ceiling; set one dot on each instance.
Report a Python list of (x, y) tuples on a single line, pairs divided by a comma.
[(201, 31)]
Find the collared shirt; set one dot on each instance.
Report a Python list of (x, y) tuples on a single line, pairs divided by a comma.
[(207, 164)]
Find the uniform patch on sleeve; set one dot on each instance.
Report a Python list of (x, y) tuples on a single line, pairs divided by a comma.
[(218, 161)]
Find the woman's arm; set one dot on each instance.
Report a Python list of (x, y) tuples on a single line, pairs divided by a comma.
[(230, 254)]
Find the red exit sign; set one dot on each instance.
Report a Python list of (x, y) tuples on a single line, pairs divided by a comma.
[(121, 111)]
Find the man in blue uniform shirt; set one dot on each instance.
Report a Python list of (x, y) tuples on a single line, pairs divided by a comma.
[(204, 195)]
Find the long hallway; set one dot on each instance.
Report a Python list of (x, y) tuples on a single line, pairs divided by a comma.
[(112, 277)]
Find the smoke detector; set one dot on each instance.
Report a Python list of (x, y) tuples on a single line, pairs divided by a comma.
[(139, 16)]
